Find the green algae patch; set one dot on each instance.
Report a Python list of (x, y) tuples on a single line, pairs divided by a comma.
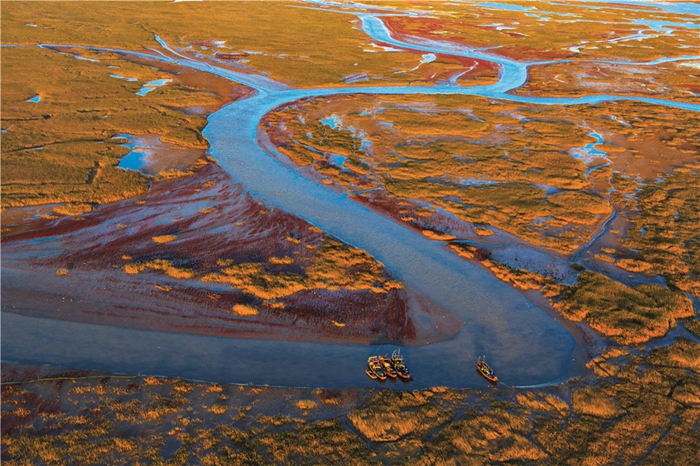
[(628, 315)]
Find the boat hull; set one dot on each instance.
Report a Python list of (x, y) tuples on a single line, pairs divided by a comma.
[(486, 372)]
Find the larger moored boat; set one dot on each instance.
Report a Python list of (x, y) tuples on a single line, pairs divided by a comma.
[(388, 366), (485, 370), (375, 368), (399, 366)]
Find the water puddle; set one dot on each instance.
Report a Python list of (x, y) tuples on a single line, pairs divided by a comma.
[(504, 6), (117, 76), (333, 121), (152, 86), (150, 156), (427, 58), (476, 182), (337, 160)]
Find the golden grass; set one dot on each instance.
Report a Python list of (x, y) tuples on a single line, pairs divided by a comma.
[(628, 315), (161, 265), (670, 80), (634, 265), (684, 354), (305, 404), (286, 260), (390, 416), (546, 403), (530, 39), (274, 304), (300, 46), (593, 402), (520, 278), (438, 236), (604, 258), (668, 216), (464, 252), (218, 409), (72, 210), (164, 239), (483, 231), (693, 326), (612, 353), (244, 310), (333, 267)]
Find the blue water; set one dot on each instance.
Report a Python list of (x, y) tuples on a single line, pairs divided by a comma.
[(134, 160), (152, 86), (681, 7), (548, 190), (660, 25), (333, 121), (337, 160), (478, 182), (504, 6), (35, 99), (117, 76)]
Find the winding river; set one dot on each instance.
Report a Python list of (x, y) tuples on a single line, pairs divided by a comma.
[(525, 344)]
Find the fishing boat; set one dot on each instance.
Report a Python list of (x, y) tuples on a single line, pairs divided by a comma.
[(370, 373), (375, 366), (399, 366), (388, 366), (485, 370)]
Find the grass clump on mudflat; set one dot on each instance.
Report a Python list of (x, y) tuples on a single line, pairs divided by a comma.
[(628, 315), (389, 416)]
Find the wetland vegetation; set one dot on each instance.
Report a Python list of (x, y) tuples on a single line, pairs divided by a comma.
[(591, 209)]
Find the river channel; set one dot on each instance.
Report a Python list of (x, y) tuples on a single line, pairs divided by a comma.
[(525, 344)]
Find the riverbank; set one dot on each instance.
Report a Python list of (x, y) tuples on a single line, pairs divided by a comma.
[(638, 407), (107, 268)]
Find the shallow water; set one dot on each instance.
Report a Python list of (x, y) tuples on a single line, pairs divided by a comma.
[(152, 86)]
